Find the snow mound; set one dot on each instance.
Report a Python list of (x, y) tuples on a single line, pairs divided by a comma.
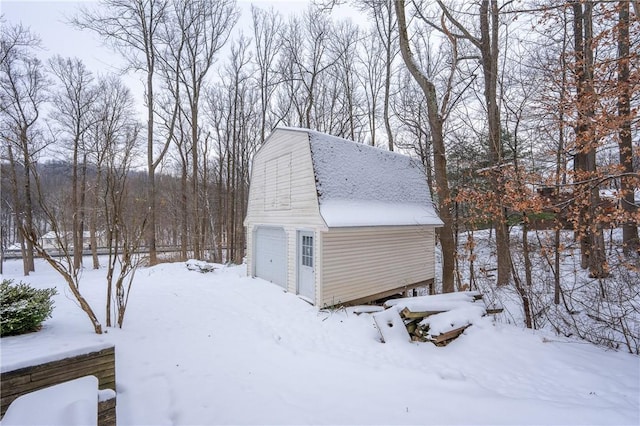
[(455, 318), (201, 266)]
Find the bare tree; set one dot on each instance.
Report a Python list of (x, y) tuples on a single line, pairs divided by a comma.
[(267, 27), (588, 231), (114, 134), (385, 24), (22, 94), (205, 27), (370, 73), (235, 134), (124, 217), (435, 117), (72, 111), (133, 27), (305, 59), (112, 105), (487, 44), (409, 108), (348, 120)]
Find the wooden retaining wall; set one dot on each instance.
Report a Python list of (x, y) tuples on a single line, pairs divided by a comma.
[(101, 364)]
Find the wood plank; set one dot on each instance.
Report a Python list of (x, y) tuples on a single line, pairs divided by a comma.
[(411, 327), (406, 313), (391, 326), (5, 402), (108, 352), (7, 384), (367, 309), (109, 382), (449, 335), (108, 404), (103, 376), (53, 380), (97, 364), (107, 418), (107, 413), (493, 311)]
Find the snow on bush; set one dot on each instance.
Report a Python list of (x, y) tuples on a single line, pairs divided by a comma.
[(23, 308)]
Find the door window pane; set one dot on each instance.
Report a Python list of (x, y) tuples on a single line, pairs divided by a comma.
[(307, 251)]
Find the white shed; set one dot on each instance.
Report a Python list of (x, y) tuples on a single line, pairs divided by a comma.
[(338, 222)]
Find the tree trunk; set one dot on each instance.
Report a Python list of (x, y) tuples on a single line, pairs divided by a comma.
[(589, 229), (195, 196), (151, 184), (75, 238), (560, 178), (184, 212), (79, 249), (628, 184), (489, 52), (17, 208), (28, 205), (440, 160), (387, 75), (93, 219)]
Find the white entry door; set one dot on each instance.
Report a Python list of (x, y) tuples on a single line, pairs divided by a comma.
[(306, 262)]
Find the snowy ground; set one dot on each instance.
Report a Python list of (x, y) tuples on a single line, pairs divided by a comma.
[(221, 348)]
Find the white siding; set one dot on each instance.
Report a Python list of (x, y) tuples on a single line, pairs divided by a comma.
[(277, 193), (359, 262), (269, 190)]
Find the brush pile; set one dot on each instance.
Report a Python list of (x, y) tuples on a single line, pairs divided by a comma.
[(438, 318)]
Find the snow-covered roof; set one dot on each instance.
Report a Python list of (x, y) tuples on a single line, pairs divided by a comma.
[(49, 235), (360, 185)]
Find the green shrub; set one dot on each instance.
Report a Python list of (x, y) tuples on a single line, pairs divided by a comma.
[(23, 308)]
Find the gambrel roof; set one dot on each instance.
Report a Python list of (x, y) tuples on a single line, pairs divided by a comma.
[(360, 185)]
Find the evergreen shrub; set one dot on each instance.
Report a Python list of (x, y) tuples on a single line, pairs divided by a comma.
[(23, 308)]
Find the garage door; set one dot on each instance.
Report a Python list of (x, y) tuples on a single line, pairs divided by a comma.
[(271, 255)]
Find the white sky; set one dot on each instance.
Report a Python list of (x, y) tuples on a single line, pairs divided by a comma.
[(47, 19)]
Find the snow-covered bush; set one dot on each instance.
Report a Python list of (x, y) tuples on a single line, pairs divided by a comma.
[(23, 308)]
